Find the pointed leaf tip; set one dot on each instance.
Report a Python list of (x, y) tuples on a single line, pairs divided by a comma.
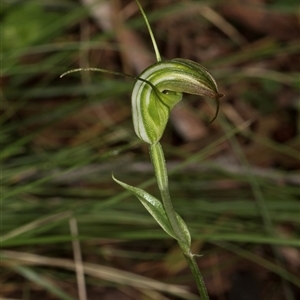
[(157, 211)]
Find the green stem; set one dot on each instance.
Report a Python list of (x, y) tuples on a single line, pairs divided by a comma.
[(160, 168), (197, 275)]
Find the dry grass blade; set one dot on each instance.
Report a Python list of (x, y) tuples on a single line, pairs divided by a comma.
[(98, 271), (78, 260), (222, 24)]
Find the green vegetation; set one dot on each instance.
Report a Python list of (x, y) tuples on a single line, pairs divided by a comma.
[(234, 182)]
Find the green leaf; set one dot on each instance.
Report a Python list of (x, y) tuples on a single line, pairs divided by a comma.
[(157, 211)]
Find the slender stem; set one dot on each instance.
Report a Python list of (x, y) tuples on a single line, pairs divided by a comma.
[(160, 168), (197, 275)]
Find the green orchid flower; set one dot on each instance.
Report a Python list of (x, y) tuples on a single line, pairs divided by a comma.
[(155, 92), (160, 87)]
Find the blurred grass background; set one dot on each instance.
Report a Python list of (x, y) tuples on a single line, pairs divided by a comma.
[(235, 182)]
